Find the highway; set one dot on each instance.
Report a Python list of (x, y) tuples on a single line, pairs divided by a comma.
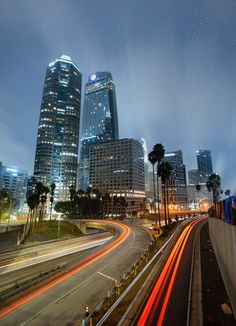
[(37, 254), (168, 302), (63, 302)]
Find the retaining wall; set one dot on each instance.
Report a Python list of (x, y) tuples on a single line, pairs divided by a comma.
[(223, 237)]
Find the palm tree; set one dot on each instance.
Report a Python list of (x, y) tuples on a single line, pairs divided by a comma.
[(159, 153), (227, 193), (32, 202), (213, 184), (43, 200), (52, 192), (198, 188), (153, 159), (164, 171)]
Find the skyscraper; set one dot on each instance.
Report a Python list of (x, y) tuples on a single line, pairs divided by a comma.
[(204, 164), (56, 158), (177, 187), (14, 181), (100, 122)]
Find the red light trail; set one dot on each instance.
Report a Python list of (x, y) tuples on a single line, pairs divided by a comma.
[(161, 293), (72, 270)]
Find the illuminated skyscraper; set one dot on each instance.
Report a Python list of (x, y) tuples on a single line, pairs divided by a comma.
[(204, 164), (14, 181), (177, 184), (56, 158), (100, 122)]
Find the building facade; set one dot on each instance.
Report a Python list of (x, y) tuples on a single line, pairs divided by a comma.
[(177, 185), (117, 168), (100, 120), (14, 181), (146, 166), (56, 158), (193, 177), (204, 164)]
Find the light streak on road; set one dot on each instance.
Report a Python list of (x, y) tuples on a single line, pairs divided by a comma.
[(51, 255), (125, 233), (162, 290)]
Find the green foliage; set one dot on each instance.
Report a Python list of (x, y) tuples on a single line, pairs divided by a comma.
[(79, 207), (5, 202)]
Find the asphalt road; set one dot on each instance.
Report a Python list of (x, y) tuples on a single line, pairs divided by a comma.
[(64, 303), (38, 254), (168, 302)]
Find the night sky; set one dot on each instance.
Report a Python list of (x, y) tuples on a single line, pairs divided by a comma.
[(173, 64)]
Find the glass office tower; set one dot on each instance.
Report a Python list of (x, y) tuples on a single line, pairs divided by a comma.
[(204, 164), (56, 158), (100, 122), (176, 188)]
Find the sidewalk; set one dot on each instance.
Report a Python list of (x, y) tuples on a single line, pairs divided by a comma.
[(215, 302)]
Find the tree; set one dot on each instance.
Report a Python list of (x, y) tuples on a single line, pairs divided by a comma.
[(32, 203), (63, 207), (164, 171), (198, 188), (5, 202), (153, 159), (52, 192), (227, 193), (159, 153), (72, 192), (213, 184)]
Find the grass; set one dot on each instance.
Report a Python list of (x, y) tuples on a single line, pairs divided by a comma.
[(48, 230)]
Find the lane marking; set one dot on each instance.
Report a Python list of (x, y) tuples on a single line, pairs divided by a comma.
[(126, 231), (111, 278), (52, 255)]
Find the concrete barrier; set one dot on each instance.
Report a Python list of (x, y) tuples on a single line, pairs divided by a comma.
[(223, 237)]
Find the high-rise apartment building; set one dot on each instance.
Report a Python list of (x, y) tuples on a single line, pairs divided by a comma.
[(56, 158), (117, 168), (100, 122), (177, 185), (204, 164)]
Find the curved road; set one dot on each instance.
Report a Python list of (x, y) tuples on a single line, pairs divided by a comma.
[(65, 302)]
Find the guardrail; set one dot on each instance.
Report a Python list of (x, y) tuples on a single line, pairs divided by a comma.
[(123, 286)]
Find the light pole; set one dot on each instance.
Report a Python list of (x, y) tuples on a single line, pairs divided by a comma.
[(59, 226)]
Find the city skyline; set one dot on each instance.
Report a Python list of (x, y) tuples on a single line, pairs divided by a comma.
[(188, 52)]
